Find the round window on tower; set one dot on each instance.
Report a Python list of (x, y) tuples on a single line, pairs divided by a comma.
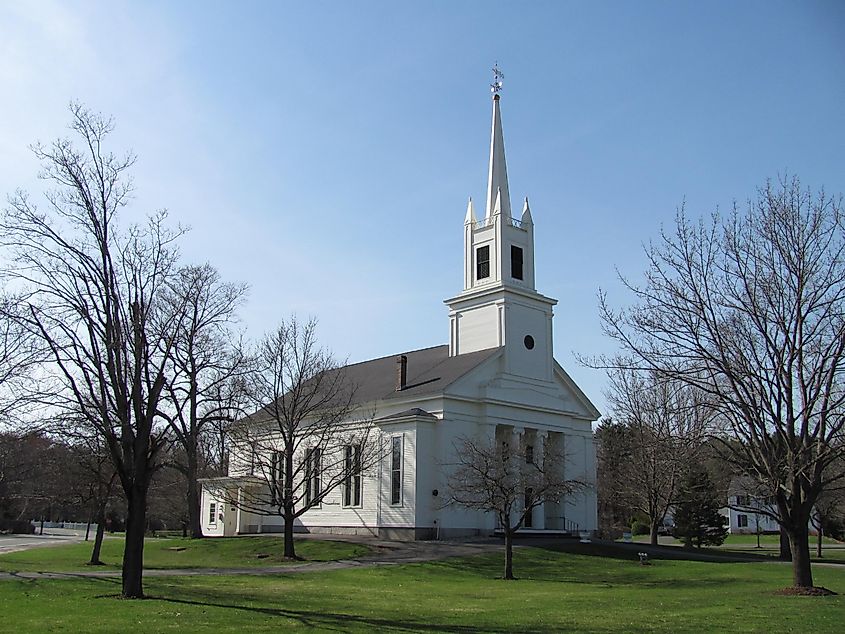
[(529, 342)]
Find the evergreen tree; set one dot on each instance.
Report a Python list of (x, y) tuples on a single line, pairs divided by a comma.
[(697, 518)]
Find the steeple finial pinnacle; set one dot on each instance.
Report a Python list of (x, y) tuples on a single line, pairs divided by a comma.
[(497, 177), (470, 217), (498, 76)]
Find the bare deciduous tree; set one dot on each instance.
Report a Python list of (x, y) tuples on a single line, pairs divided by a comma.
[(96, 477), (203, 384), (663, 422), (309, 437), (20, 355), (828, 512), (751, 310), (509, 482), (92, 291)]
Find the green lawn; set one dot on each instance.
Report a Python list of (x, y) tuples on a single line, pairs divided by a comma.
[(773, 540), (556, 592), (832, 550), (222, 552)]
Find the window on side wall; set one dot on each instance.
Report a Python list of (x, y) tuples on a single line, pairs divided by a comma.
[(352, 484), (529, 514), (312, 477), (212, 513), (396, 470), (742, 521), (277, 477)]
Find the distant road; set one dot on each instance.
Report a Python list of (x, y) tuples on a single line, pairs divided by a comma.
[(51, 537)]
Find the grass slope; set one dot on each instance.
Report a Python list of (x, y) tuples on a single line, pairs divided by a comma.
[(832, 550), (556, 592), (220, 552)]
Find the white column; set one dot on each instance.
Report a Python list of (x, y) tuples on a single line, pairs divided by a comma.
[(517, 434), (539, 458), (516, 454), (487, 520)]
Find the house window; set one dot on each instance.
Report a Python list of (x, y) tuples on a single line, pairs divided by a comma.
[(742, 521), (396, 470), (516, 262), (482, 262), (212, 513), (529, 454), (352, 484), (312, 477), (529, 515), (277, 477)]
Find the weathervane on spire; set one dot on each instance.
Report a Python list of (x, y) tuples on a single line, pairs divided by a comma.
[(498, 76)]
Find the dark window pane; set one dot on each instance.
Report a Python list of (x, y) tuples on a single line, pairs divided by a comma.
[(516, 262), (482, 262), (396, 470)]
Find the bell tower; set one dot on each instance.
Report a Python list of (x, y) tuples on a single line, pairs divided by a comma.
[(499, 305)]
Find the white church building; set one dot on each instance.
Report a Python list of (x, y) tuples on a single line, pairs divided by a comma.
[(496, 379)]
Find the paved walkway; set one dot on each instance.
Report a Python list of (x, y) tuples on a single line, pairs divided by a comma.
[(51, 537)]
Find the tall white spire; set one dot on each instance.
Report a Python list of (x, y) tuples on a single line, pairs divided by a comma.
[(499, 304), (497, 177)]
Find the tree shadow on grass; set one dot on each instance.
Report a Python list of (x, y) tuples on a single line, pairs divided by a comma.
[(600, 564), (623, 551), (563, 572), (342, 622)]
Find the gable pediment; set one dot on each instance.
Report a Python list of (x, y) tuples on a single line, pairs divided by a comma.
[(487, 382)]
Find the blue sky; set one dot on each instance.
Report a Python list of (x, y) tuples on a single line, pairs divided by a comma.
[(323, 152)]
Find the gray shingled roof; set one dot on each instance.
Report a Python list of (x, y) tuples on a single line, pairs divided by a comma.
[(430, 371), (414, 411)]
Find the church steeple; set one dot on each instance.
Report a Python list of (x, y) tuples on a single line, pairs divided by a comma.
[(499, 305), (498, 248)]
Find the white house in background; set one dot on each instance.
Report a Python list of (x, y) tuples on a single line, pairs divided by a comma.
[(747, 504), (496, 378)]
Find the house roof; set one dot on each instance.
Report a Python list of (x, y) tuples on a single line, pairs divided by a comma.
[(429, 371), (408, 413), (745, 485)]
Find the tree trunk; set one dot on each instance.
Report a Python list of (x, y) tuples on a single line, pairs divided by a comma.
[(653, 532), (785, 550), (799, 543), (194, 521), (508, 554), (290, 552), (819, 541), (133, 550), (98, 541)]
